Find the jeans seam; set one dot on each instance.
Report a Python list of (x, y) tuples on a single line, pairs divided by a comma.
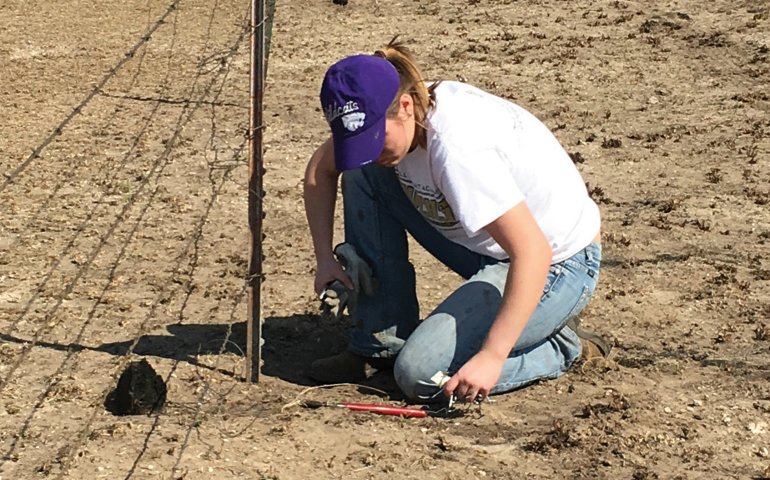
[(374, 347), (513, 385), (508, 386), (378, 195), (380, 258), (557, 275)]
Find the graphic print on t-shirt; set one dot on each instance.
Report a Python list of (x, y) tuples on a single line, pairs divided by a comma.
[(431, 203)]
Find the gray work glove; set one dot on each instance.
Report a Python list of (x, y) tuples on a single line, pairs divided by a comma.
[(337, 296)]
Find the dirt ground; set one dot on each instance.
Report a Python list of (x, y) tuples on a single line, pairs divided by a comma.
[(125, 236)]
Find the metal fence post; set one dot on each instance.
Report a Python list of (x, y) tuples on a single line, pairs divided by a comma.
[(256, 192)]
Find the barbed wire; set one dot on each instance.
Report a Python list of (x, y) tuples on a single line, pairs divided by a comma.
[(33, 221), (188, 292), (79, 107), (84, 267), (159, 166), (66, 455), (71, 349), (170, 101), (143, 52), (49, 320), (146, 324), (207, 385)]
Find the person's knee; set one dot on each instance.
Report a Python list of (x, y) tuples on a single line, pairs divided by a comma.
[(413, 373), (351, 179), (360, 184)]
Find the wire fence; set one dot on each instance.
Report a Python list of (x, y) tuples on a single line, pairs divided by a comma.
[(204, 93), (79, 107)]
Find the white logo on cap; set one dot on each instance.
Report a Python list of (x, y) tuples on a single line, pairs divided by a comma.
[(353, 121), (333, 110)]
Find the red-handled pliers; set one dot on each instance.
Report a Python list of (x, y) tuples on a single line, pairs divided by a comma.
[(366, 407)]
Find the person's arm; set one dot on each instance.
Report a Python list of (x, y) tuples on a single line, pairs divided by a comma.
[(320, 193), (517, 232)]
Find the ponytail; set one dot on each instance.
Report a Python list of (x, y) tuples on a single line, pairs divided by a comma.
[(412, 83)]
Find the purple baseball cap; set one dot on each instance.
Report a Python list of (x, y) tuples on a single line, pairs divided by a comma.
[(355, 96)]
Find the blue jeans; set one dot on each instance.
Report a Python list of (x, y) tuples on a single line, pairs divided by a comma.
[(377, 216)]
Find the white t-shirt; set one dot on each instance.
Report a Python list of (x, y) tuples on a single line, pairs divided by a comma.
[(484, 156)]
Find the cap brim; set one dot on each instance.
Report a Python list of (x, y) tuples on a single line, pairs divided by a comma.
[(360, 149)]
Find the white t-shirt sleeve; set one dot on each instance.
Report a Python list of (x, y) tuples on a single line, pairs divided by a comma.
[(480, 188)]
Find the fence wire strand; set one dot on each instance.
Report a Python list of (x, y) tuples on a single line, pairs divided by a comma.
[(44, 207), (190, 106), (147, 325), (73, 347), (79, 107), (207, 386)]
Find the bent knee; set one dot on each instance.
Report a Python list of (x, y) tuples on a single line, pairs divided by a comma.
[(413, 374)]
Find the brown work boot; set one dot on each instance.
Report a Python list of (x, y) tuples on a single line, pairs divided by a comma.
[(590, 351), (594, 346), (348, 367)]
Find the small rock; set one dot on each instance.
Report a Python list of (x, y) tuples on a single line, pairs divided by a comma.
[(763, 452), (757, 428), (652, 100), (667, 410)]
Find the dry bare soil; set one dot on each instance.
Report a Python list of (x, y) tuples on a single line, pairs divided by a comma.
[(125, 236)]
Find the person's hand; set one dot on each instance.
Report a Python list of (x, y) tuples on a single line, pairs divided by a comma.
[(329, 270), (476, 378)]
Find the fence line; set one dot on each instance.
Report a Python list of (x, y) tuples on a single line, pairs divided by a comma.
[(145, 326), (164, 160), (75, 111), (143, 330), (199, 234), (116, 171), (190, 106)]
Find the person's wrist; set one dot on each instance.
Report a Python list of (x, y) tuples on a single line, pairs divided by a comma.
[(497, 353), (325, 257)]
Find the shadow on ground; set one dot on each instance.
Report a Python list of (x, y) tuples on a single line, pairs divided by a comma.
[(291, 344)]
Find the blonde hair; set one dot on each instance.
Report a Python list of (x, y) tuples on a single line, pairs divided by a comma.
[(412, 83)]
